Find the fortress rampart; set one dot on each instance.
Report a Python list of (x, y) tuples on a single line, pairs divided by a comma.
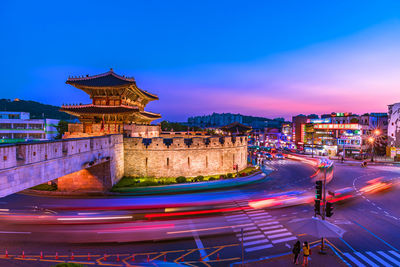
[(179, 156)]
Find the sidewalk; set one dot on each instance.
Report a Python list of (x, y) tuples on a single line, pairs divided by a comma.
[(316, 259)]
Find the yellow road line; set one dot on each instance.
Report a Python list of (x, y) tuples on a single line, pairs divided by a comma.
[(181, 257), (215, 251), (161, 254)]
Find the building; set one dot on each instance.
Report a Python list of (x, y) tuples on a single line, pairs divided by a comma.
[(341, 133), (116, 101), (118, 108), (393, 129), (18, 127), (323, 137)]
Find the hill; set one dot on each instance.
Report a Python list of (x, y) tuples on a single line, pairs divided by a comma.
[(36, 109)]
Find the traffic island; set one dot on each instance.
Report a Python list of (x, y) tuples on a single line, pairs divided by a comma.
[(252, 176)]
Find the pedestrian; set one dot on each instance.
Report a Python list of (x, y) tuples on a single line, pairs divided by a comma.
[(296, 252), (306, 253)]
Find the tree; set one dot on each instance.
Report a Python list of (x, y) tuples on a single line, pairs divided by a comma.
[(354, 120), (62, 127)]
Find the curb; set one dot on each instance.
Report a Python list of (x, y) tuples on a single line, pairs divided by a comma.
[(152, 191)]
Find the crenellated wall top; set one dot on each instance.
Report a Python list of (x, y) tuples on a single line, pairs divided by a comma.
[(162, 143)]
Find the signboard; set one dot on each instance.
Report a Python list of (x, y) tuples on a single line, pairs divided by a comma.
[(326, 120), (333, 126)]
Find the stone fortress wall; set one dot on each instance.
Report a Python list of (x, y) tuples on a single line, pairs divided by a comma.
[(179, 156), (79, 164), (97, 163)]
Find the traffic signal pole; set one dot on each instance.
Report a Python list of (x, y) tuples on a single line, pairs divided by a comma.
[(323, 209)]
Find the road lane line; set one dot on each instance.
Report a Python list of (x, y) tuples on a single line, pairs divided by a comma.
[(376, 236), (251, 237), (275, 231), (271, 227), (354, 260), (389, 258), (258, 248), (276, 241), (384, 263), (395, 253), (279, 235), (360, 255), (262, 241), (266, 223)]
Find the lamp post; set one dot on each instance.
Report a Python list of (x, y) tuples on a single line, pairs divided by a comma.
[(372, 140)]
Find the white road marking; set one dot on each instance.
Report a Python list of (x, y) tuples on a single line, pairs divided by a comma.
[(275, 231), (255, 242), (386, 256), (377, 258), (266, 223), (199, 244), (279, 235), (271, 227), (365, 259), (354, 260), (251, 237), (276, 241), (258, 248)]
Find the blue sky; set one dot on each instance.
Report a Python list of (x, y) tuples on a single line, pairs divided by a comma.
[(264, 58)]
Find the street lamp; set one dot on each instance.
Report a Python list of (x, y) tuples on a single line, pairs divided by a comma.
[(371, 140)]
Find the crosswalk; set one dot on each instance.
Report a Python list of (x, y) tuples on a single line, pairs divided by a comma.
[(262, 230), (373, 258)]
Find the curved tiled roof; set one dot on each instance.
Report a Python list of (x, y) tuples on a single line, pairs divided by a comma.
[(150, 114), (109, 78), (87, 109)]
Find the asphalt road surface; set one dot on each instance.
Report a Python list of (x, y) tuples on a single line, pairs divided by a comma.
[(371, 222)]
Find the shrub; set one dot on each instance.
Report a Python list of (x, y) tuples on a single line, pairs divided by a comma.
[(181, 179), (223, 176), (148, 183), (212, 179), (199, 178), (229, 175)]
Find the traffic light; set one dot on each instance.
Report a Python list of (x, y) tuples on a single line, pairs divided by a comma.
[(317, 206), (329, 209), (318, 190)]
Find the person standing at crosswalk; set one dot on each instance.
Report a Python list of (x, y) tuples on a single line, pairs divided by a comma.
[(306, 253), (296, 251)]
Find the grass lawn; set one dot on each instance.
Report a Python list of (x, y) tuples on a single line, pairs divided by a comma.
[(44, 187), (130, 182)]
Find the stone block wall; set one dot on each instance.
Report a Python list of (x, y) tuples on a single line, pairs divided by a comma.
[(172, 157)]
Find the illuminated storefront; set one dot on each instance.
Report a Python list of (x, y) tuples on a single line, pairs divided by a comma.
[(323, 138)]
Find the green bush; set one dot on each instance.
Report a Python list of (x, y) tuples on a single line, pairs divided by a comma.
[(148, 183), (199, 178), (212, 179), (181, 179), (229, 175), (222, 176), (45, 187)]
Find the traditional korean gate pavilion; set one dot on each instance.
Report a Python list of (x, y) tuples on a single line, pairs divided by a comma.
[(116, 100)]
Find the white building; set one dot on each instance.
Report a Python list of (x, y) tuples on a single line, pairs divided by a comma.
[(394, 127), (18, 127)]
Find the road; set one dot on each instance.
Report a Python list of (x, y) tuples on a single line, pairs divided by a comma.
[(371, 221)]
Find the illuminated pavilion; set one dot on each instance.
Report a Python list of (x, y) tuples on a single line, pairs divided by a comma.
[(116, 101)]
